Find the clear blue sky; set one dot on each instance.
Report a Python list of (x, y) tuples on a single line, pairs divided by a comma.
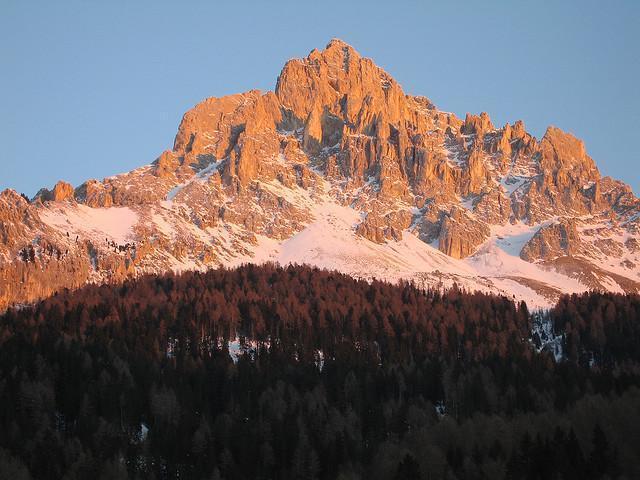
[(90, 89)]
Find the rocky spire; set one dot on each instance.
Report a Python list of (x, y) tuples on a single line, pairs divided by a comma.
[(352, 87)]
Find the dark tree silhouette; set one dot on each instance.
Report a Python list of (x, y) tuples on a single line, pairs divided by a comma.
[(268, 372)]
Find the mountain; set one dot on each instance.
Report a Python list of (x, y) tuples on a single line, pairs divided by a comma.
[(337, 168)]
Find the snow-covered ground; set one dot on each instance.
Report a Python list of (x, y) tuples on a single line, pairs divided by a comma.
[(115, 223), (327, 241), (331, 242)]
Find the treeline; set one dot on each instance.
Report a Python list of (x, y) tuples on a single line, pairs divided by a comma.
[(599, 329), (341, 379)]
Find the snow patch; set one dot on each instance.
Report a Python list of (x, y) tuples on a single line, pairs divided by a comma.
[(114, 223)]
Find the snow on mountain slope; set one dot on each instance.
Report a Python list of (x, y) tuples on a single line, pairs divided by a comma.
[(115, 223), (358, 177), (328, 241)]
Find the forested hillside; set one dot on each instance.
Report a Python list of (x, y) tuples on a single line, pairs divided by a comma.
[(287, 373)]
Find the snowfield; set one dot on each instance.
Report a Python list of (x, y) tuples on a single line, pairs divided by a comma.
[(115, 223), (329, 241)]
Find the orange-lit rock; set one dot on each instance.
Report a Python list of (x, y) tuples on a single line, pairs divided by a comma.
[(252, 169)]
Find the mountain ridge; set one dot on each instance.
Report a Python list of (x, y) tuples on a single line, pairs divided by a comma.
[(340, 156)]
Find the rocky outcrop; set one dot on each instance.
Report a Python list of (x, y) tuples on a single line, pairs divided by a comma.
[(61, 191), (460, 234), (560, 154), (380, 227), (166, 164), (16, 218), (94, 194), (477, 125), (552, 241)]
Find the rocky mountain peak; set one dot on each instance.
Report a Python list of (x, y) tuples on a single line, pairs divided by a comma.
[(340, 168), (477, 124), (342, 83), (60, 192), (567, 169), (564, 150)]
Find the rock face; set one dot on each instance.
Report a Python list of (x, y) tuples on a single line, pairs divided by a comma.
[(552, 241), (337, 150), (61, 191), (461, 234)]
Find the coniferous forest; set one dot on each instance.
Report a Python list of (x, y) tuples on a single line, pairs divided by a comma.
[(265, 372)]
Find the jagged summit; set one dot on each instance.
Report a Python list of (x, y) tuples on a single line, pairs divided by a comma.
[(338, 42), (338, 167), (339, 81)]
